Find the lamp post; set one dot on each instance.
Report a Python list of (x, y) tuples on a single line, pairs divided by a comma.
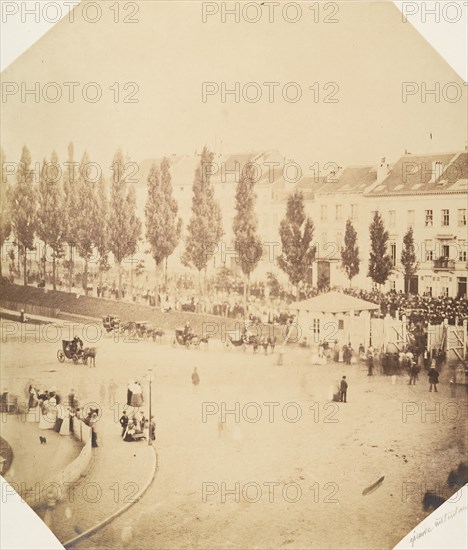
[(150, 379)]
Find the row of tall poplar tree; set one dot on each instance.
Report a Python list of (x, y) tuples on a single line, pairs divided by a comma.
[(70, 207)]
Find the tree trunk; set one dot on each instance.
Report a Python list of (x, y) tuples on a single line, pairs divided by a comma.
[(19, 261), (245, 296), (85, 276), (131, 279), (165, 274), (119, 291), (25, 275), (54, 286), (70, 268), (199, 289), (42, 261)]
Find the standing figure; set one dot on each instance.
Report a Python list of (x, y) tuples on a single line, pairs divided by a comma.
[(413, 374), (433, 378), (129, 393), (91, 421), (370, 364), (343, 389), (152, 429), (123, 421), (137, 394)]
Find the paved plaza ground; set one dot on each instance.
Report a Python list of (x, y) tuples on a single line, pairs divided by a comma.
[(32, 462), (300, 468)]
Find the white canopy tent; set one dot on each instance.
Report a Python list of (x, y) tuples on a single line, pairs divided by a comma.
[(334, 316)]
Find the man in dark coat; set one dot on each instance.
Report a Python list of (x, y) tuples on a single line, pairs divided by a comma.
[(370, 364), (433, 378), (124, 422), (343, 389), (413, 374)]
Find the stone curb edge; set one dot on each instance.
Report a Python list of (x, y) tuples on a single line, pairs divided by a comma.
[(103, 523)]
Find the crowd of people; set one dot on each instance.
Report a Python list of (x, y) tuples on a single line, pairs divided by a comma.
[(136, 426), (269, 302), (58, 413), (417, 307)]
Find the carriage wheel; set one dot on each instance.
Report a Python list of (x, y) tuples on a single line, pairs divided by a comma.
[(75, 358), (85, 359), (60, 356)]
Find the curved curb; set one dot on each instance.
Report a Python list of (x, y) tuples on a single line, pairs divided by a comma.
[(113, 516)]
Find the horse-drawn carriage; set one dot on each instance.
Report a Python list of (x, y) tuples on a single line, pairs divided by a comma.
[(141, 329), (110, 323), (74, 350), (138, 329), (189, 339), (251, 340)]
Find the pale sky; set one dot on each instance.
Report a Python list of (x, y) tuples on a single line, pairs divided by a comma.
[(170, 52)]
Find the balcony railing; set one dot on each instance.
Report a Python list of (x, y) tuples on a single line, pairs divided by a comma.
[(444, 264)]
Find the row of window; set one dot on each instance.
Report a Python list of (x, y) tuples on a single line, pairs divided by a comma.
[(445, 217), (429, 217), (331, 250), (430, 253), (338, 212), (392, 217)]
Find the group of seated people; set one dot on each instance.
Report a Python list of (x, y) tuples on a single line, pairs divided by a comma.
[(136, 426)]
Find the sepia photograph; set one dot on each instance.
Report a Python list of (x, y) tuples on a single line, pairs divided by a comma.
[(234, 261)]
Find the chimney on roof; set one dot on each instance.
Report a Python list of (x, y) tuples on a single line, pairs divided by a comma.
[(437, 170), (382, 170)]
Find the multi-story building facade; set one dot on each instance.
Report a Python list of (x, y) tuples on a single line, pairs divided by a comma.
[(430, 194), (426, 192)]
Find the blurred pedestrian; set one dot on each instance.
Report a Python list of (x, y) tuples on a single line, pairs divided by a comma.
[(111, 391), (195, 378), (102, 394), (413, 374), (433, 378), (370, 364)]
